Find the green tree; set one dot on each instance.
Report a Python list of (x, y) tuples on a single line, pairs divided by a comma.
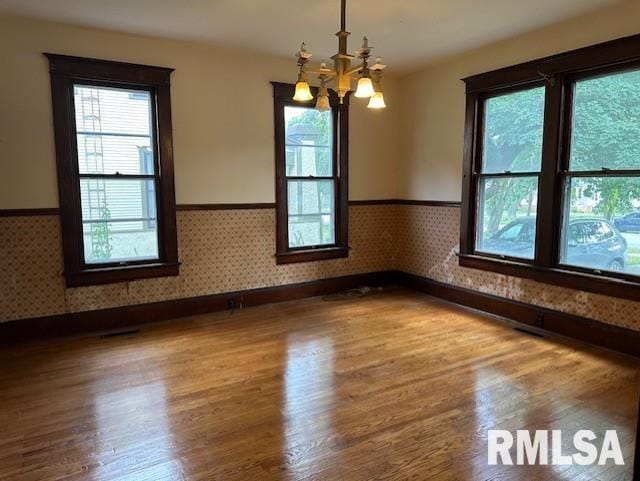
[(605, 134), (322, 125), (320, 120), (512, 143), (101, 236)]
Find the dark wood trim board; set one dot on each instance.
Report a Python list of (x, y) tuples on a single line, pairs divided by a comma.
[(257, 205), (120, 317), (429, 203), (539, 318), (242, 206), (29, 212)]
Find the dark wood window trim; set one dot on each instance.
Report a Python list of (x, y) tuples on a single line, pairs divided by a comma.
[(282, 95), (557, 73), (65, 71)]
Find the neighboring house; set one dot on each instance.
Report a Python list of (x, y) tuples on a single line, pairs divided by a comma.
[(310, 203), (99, 115)]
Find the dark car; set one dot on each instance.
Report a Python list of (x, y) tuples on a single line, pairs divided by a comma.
[(591, 243), (629, 222)]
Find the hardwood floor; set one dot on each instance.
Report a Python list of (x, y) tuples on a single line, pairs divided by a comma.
[(392, 386)]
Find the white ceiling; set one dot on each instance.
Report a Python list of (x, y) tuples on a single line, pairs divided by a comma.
[(404, 31)]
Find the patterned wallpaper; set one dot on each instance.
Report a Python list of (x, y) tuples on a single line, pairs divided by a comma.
[(229, 250), (220, 251), (431, 239)]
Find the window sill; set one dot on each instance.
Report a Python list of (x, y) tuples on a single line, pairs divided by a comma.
[(572, 279), (110, 275), (310, 255)]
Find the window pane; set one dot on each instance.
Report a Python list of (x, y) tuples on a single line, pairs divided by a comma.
[(507, 216), (606, 123), (114, 134), (513, 132), (602, 224), (311, 212), (118, 242), (310, 197), (98, 154), (311, 230), (305, 160), (112, 110), (308, 142), (119, 219), (113, 130)]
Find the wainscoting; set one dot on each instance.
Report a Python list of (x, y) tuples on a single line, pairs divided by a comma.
[(429, 244), (220, 250), (530, 317), (227, 251)]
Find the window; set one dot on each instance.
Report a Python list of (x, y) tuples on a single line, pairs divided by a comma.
[(552, 170), (509, 173), (311, 179), (602, 187), (112, 126)]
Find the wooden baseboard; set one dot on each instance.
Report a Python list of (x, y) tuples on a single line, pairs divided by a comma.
[(127, 316), (542, 319), (539, 318)]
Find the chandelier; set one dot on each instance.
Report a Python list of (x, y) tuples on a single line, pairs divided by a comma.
[(369, 77)]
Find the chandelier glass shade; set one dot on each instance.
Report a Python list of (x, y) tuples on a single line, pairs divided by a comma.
[(365, 88), (343, 74), (303, 92), (376, 101)]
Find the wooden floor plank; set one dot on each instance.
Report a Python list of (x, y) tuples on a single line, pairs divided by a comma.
[(394, 385)]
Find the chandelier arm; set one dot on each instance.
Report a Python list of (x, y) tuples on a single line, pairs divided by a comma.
[(354, 70), (319, 71), (343, 73)]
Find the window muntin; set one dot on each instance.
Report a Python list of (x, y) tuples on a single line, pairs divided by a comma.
[(117, 175), (509, 174)]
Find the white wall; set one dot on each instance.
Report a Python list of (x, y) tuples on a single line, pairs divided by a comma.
[(433, 100), (222, 111), (222, 117)]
